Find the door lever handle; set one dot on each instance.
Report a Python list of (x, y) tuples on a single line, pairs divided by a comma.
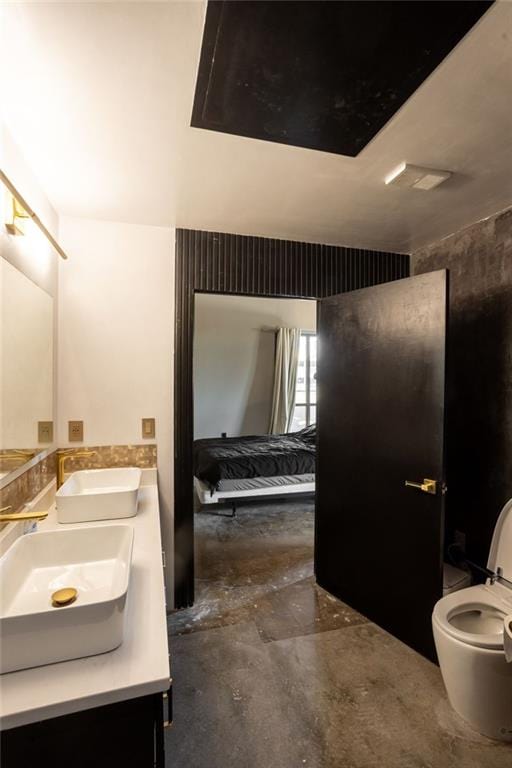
[(427, 486)]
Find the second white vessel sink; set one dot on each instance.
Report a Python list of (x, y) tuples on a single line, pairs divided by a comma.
[(98, 494), (94, 563)]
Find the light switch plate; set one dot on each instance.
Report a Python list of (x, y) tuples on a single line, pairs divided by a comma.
[(75, 431), (45, 431), (148, 429)]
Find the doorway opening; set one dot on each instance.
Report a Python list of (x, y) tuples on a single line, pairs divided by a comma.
[(214, 262), (254, 407)]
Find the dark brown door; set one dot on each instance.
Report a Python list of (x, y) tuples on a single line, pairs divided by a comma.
[(381, 392)]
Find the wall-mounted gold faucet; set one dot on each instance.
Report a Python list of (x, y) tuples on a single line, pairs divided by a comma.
[(15, 516), (62, 456), (18, 452), (18, 455)]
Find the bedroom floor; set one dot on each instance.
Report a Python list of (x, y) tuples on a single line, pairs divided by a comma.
[(272, 671)]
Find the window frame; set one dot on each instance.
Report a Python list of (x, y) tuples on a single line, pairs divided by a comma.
[(308, 404)]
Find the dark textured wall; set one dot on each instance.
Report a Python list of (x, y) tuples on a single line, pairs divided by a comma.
[(479, 427)]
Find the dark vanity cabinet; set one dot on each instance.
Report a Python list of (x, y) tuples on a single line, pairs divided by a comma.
[(128, 734)]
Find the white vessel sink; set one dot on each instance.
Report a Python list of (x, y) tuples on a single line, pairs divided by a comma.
[(98, 494), (96, 562)]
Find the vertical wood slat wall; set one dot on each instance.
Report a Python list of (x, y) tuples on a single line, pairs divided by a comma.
[(255, 266)]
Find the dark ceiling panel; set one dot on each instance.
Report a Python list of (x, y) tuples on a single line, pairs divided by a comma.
[(321, 75)]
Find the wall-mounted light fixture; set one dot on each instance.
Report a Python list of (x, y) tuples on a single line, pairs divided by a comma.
[(21, 212), (15, 225)]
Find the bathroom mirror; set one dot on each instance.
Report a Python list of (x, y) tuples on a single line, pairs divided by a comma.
[(26, 369)]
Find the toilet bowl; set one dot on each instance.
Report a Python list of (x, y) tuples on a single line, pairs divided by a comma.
[(468, 630)]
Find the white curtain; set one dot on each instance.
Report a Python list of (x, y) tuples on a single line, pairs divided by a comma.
[(285, 380)]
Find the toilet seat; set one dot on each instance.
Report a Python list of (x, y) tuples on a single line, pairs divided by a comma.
[(469, 630), (482, 607)]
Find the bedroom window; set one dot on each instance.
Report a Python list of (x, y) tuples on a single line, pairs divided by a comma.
[(305, 392)]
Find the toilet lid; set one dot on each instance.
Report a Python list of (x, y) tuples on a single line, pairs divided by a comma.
[(500, 554)]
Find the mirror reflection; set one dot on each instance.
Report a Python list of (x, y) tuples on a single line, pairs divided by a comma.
[(26, 367)]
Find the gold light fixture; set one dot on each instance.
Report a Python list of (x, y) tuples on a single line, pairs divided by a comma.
[(21, 211), (16, 225)]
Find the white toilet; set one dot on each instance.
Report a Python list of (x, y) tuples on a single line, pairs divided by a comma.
[(469, 635)]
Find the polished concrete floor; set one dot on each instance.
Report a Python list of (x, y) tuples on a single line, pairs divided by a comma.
[(270, 671)]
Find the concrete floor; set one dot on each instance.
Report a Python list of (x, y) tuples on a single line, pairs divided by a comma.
[(271, 671)]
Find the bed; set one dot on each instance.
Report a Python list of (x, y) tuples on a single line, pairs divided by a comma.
[(236, 468)]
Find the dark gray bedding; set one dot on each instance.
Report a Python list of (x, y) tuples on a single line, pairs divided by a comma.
[(233, 458)]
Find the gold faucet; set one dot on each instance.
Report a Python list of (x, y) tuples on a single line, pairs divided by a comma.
[(17, 454), (15, 516), (61, 460)]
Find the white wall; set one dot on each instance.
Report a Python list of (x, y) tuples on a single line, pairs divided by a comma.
[(234, 359), (116, 320)]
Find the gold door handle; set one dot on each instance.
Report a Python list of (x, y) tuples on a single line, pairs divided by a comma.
[(427, 486)]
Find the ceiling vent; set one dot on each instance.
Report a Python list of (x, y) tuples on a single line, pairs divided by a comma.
[(416, 177)]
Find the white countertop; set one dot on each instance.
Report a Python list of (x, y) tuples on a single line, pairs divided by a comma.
[(140, 666)]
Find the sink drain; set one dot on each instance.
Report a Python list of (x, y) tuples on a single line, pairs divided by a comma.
[(64, 597)]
